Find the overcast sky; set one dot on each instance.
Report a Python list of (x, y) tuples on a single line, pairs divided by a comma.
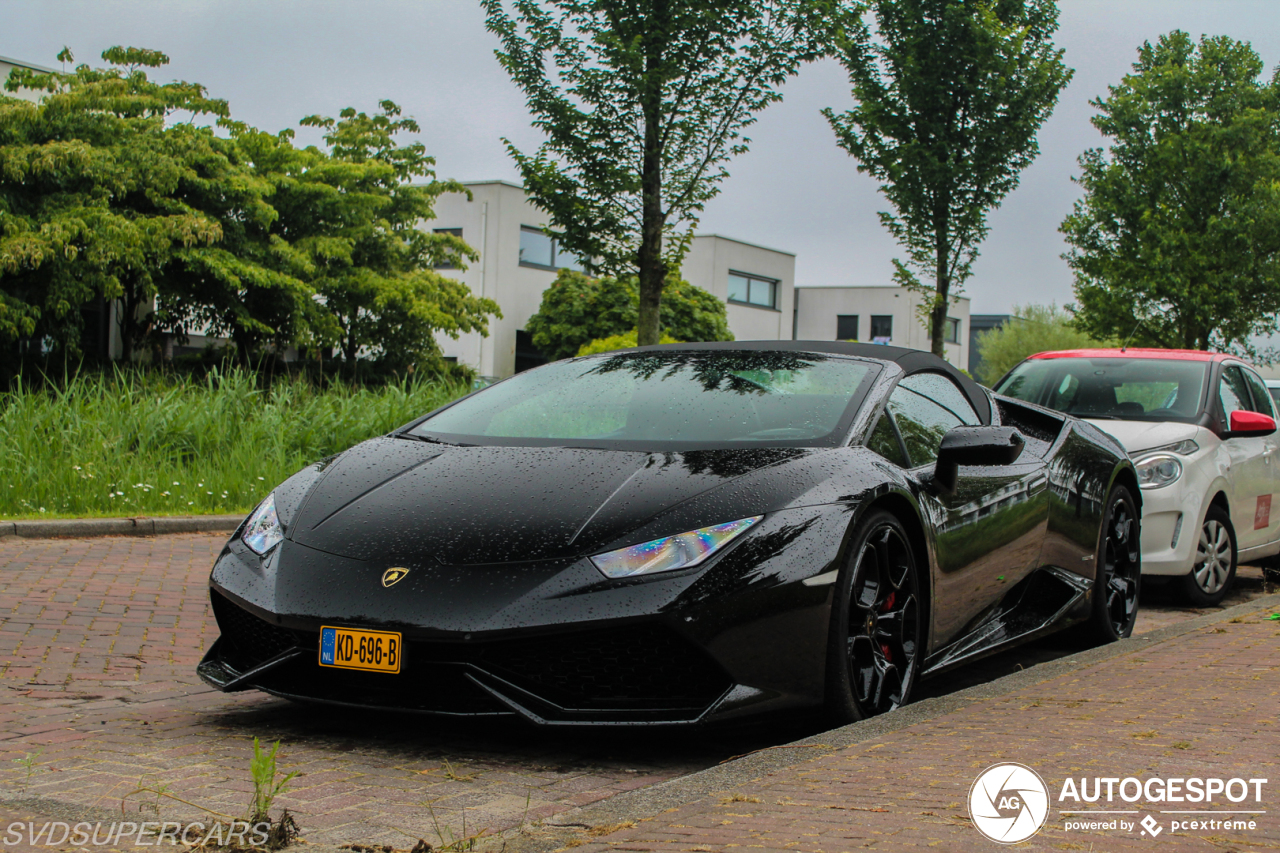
[(277, 61)]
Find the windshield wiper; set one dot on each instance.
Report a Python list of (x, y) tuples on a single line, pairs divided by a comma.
[(431, 439)]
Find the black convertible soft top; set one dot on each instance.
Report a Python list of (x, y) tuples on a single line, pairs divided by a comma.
[(910, 360)]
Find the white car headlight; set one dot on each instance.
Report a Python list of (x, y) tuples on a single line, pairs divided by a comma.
[(1158, 470), (263, 531), (681, 551)]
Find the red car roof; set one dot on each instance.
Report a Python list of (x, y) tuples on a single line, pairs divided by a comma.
[(1137, 352)]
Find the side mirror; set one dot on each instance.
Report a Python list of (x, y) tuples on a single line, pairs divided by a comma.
[(1249, 425), (975, 445)]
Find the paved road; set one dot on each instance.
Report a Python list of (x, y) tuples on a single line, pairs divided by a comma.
[(98, 644)]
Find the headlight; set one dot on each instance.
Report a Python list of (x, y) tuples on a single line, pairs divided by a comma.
[(1178, 448), (262, 531), (1159, 470), (672, 552)]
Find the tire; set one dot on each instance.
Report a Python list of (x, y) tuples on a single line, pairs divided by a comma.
[(1118, 573), (1211, 577), (877, 623)]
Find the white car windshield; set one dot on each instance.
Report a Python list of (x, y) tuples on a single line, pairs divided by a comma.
[(1151, 389), (655, 399)]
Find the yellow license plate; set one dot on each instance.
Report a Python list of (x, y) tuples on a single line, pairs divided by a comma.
[(355, 648)]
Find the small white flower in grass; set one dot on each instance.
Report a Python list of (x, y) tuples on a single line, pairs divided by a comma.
[(189, 503), (77, 468), (262, 478), (176, 483), (121, 494), (208, 493), (42, 509)]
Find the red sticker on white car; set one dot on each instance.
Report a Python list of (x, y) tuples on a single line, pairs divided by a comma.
[(1262, 514)]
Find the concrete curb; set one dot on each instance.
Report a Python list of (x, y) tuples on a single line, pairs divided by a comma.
[(566, 828), (141, 526)]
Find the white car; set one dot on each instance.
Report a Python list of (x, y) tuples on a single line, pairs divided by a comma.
[(1201, 430)]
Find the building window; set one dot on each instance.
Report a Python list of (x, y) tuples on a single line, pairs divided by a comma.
[(952, 332), (747, 289), (881, 328), (456, 232), (846, 327), (538, 249)]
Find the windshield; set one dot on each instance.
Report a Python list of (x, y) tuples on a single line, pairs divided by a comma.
[(661, 400), (1150, 389)]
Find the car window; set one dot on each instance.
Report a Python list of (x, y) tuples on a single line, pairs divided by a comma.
[(1233, 392), (1261, 398), (1158, 389), (884, 441), (653, 399), (925, 407)]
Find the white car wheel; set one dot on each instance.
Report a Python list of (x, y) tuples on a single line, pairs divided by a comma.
[(1210, 578), (1213, 557)]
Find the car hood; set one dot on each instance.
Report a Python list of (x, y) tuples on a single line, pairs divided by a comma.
[(1137, 436), (400, 498)]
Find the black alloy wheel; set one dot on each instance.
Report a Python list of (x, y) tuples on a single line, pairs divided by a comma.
[(877, 624), (1118, 580)]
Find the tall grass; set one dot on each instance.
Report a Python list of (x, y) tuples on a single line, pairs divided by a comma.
[(146, 444)]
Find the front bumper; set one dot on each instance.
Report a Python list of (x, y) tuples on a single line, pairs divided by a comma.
[(1171, 518), (552, 643)]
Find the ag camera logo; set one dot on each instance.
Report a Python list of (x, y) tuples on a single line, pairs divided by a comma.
[(1008, 803)]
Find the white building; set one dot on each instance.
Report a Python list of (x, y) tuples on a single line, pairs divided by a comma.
[(7, 65), (887, 315), (518, 262)]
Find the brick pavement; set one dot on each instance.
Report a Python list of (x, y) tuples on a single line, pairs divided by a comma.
[(98, 646), (100, 638), (1200, 705)]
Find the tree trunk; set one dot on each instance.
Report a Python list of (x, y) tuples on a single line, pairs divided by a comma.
[(131, 331), (941, 299), (652, 270), (349, 350)]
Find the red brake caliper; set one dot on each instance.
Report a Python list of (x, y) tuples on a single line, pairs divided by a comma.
[(884, 608)]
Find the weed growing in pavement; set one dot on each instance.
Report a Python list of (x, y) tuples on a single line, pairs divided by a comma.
[(451, 773), (449, 842), (266, 785), (28, 763), (256, 832)]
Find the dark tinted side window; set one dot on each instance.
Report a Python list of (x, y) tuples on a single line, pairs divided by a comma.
[(884, 440), (1233, 392), (1261, 394), (925, 407)]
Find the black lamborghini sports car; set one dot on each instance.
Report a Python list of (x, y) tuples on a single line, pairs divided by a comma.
[(681, 534)]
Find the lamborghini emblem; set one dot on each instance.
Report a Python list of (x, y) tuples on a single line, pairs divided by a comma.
[(393, 576)]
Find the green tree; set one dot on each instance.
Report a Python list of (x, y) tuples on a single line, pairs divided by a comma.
[(578, 309), (375, 265), (1179, 227), (1031, 329), (98, 197), (950, 96), (346, 222), (643, 103)]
